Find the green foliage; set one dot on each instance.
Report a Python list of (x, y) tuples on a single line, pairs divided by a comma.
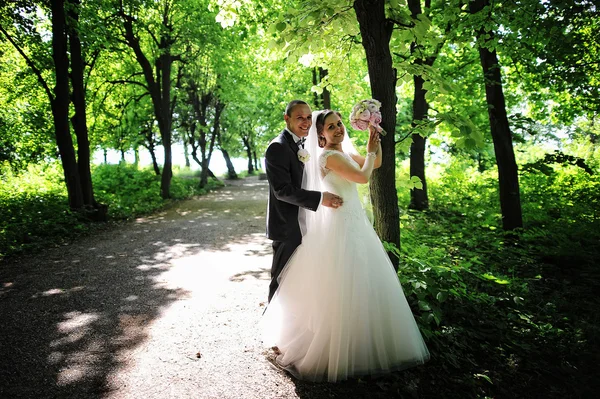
[(130, 192), (126, 190), (34, 207), (495, 308), (35, 211)]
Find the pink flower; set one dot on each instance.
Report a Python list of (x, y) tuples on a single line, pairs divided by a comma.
[(359, 124), (365, 113), (364, 116), (375, 118), (373, 107)]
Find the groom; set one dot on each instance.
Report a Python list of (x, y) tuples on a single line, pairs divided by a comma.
[(286, 195)]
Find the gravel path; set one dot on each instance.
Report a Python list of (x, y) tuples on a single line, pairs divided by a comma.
[(166, 306)]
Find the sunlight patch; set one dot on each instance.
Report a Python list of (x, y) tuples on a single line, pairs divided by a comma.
[(80, 365), (53, 291), (76, 320)]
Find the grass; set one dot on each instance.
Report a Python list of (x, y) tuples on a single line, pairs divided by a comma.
[(35, 211), (505, 315)]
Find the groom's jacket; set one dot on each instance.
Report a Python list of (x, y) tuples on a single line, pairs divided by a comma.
[(284, 172)]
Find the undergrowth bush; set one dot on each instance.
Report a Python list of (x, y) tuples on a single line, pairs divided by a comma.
[(35, 210), (497, 308)]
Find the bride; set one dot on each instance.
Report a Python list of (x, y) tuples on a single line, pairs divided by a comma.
[(339, 310)]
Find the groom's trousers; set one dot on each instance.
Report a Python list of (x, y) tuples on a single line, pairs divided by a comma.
[(282, 251)]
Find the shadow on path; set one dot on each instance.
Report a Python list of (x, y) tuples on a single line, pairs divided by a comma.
[(167, 306), (67, 316), (72, 316)]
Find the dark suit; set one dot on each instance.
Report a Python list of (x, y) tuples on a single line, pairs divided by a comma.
[(284, 172)]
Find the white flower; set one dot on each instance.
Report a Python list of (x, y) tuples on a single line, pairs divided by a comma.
[(303, 155)]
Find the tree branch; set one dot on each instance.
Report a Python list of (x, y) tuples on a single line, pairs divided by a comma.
[(154, 39), (125, 81), (134, 44), (95, 56), (402, 24), (177, 85), (410, 133), (30, 63), (139, 98)]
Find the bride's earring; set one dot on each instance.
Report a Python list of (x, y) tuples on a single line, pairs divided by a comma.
[(322, 141)]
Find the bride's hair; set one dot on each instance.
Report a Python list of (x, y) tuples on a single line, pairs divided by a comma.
[(320, 124)]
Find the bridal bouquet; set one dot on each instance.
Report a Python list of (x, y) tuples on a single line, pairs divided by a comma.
[(365, 113)]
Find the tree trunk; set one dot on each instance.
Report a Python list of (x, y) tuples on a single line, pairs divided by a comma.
[(159, 87), (326, 95), (194, 144), (136, 156), (151, 149), (249, 155), (508, 177), (231, 174), (201, 112), (315, 80), (376, 32), (60, 106), (105, 151), (94, 211), (215, 132), (204, 168), (154, 162), (418, 197), (195, 156), (250, 163), (255, 160), (79, 119), (323, 100), (166, 63), (186, 155)]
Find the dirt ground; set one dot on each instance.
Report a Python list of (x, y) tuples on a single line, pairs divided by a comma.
[(165, 306)]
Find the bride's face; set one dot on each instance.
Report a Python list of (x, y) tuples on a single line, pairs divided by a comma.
[(333, 129)]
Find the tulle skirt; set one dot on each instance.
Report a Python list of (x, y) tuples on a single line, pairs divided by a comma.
[(340, 310)]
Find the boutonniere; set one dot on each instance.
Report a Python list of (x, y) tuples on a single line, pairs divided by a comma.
[(303, 155)]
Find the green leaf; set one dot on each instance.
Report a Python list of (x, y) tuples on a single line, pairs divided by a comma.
[(441, 296), (415, 182), (485, 377), (281, 26), (424, 306)]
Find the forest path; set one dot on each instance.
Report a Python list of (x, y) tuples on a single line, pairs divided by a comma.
[(167, 306)]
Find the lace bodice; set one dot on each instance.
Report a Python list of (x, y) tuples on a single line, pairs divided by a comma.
[(323, 160), (336, 184)]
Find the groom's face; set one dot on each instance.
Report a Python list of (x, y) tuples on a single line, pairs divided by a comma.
[(300, 120)]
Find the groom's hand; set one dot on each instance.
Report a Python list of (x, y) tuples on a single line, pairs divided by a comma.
[(332, 200)]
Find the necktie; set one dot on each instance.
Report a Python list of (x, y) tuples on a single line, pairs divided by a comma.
[(301, 142)]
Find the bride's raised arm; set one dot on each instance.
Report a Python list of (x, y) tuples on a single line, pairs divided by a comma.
[(339, 164), (361, 160)]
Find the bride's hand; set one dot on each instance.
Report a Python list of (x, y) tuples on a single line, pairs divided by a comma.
[(374, 139)]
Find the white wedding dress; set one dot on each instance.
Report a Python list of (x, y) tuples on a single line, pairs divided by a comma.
[(340, 311)]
